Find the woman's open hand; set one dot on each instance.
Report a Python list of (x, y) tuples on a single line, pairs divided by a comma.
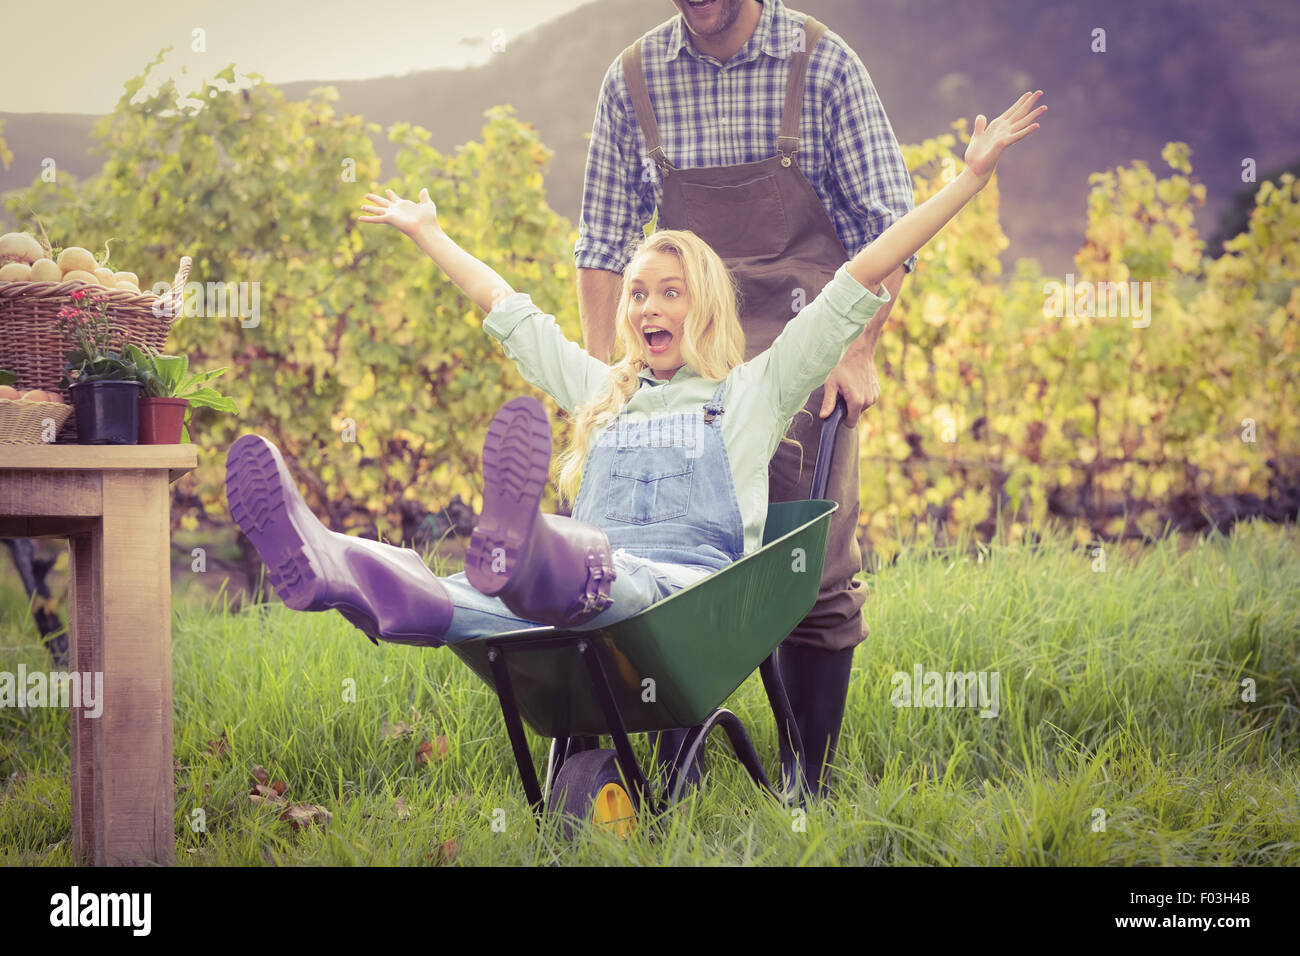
[(407, 216), (987, 142)]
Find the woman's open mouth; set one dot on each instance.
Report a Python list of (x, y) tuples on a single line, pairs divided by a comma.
[(657, 339)]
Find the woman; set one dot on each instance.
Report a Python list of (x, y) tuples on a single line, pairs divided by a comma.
[(641, 527)]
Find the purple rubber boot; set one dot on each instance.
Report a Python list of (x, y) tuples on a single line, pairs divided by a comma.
[(387, 592), (545, 568)]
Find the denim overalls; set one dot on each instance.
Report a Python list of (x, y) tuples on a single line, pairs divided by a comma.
[(662, 491)]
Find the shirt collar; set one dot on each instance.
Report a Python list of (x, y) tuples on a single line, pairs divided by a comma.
[(774, 35), (684, 372)]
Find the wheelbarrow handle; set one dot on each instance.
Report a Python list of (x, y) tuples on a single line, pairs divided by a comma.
[(826, 448)]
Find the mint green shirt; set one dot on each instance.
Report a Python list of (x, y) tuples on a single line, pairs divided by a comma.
[(762, 396)]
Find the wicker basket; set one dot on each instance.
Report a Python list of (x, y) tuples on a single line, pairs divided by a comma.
[(23, 423), (34, 346)]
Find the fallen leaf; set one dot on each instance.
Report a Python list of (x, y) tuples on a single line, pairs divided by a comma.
[(461, 797), (403, 811), (262, 791), (264, 794), (446, 852), (305, 814), (428, 752), (218, 747), (393, 731)]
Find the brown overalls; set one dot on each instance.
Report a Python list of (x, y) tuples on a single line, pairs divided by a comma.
[(769, 226)]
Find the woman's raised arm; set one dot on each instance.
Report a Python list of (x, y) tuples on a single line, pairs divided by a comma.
[(905, 236), (419, 221), (530, 338)]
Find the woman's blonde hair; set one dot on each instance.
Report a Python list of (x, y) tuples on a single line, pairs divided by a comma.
[(713, 342)]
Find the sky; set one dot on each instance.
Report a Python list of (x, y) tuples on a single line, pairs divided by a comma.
[(284, 40)]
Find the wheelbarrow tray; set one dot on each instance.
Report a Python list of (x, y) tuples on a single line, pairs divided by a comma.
[(672, 664)]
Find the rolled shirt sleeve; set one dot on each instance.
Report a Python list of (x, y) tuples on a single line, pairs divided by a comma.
[(813, 342), (545, 356), (613, 205)]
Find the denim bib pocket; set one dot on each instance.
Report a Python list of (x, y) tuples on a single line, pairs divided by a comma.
[(648, 485)]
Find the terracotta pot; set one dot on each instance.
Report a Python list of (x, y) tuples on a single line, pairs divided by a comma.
[(161, 420), (106, 412)]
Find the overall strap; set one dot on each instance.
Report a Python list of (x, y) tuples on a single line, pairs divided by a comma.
[(789, 138), (634, 73)]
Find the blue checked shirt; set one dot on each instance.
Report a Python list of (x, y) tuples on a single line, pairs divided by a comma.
[(711, 114)]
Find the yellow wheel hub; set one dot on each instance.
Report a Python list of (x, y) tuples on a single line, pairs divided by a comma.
[(613, 810)]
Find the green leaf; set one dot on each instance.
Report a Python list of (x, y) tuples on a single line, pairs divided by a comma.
[(210, 398)]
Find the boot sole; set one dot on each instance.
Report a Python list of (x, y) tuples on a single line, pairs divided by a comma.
[(262, 498), (516, 460)]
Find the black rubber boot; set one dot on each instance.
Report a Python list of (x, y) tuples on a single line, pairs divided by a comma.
[(817, 683)]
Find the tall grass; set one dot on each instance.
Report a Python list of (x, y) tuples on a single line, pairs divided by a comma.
[(1121, 738)]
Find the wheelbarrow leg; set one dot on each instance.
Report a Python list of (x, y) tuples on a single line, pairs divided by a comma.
[(642, 796), (515, 729)]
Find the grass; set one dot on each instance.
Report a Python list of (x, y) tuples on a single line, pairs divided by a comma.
[(1122, 737)]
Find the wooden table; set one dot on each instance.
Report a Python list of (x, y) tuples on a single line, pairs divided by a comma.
[(112, 503)]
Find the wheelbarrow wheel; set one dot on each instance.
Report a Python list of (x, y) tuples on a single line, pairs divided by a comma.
[(590, 787)]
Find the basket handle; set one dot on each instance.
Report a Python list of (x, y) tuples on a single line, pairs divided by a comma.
[(178, 292)]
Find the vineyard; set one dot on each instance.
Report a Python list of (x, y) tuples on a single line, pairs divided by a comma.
[(1152, 387), (1035, 397)]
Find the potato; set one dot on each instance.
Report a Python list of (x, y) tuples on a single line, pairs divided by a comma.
[(130, 277), (124, 286), (46, 270), (105, 277), (74, 259), (20, 247), (77, 275), (8, 391), (15, 272)]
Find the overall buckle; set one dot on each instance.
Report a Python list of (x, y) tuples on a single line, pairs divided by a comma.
[(793, 145)]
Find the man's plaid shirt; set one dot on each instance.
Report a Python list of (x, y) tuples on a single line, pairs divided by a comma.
[(715, 115)]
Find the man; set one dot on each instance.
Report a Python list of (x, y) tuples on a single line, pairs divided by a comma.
[(764, 136)]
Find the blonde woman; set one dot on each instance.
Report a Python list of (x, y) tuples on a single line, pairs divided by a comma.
[(670, 448)]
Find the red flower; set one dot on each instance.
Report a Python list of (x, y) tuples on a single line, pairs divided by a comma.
[(77, 294)]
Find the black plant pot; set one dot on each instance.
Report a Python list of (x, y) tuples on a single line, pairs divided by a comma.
[(107, 412)]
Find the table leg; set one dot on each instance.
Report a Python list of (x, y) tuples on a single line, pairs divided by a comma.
[(122, 776)]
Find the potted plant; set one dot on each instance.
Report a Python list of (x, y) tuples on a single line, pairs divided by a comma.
[(170, 388), (106, 389)]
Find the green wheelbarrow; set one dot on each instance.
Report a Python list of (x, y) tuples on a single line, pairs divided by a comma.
[(670, 666)]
